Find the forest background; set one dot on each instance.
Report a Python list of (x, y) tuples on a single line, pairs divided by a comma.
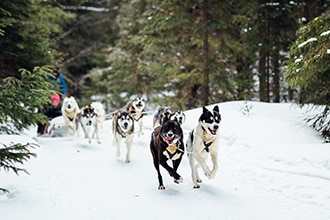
[(176, 53)]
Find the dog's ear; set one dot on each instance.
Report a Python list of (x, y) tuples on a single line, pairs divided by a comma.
[(167, 116), (216, 109), (116, 113), (205, 109)]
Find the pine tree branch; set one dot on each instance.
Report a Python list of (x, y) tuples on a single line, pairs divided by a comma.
[(17, 153)]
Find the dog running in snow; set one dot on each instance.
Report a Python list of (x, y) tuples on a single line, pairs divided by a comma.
[(123, 128), (159, 115), (167, 144), (70, 110), (87, 118), (100, 113), (137, 108), (202, 142)]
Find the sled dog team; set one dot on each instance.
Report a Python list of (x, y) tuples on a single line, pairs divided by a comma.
[(166, 142)]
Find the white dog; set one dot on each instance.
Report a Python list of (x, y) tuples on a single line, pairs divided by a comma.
[(137, 108), (123, 128), (100, 113), (70, 110), (202, 142)]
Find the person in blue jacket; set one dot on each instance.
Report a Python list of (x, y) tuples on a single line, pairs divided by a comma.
[(53, 110), (60, 80)]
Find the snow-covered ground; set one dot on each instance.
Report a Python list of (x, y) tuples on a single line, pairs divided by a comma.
[(272, 166)]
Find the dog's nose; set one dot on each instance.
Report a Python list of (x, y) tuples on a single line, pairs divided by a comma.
[(216, 127), (125, 124), (170, 134)]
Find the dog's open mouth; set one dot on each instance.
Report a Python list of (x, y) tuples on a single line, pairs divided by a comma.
[(213, 131), (168, 140)]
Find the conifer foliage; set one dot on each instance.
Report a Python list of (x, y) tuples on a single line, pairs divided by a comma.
[(309, 69), (21, 96), (11, 155)]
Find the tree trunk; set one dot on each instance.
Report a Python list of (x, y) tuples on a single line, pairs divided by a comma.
[(206, 71), (262, 77), (276, 75)]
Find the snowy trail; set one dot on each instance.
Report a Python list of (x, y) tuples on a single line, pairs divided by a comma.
[(262, 175)]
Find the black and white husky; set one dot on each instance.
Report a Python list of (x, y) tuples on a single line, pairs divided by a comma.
[(137, 108), (160, 114), (87, 120), (123, 128), (202, 142)]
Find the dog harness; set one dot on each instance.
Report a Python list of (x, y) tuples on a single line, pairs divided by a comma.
[(171, 150), (207, 145), (133, 112)]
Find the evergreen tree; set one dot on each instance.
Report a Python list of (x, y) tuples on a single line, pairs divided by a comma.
[(30, 31), (85, 41), (184, 42), (19, 99), (21, 96), (272, 30), (123, 78), (309, 68)]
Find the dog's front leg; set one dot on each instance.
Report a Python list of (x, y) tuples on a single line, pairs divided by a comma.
[(118, 142), (176, 164), (214, 158), (204, 166), (96, 132), (170, 170), (156, 164), (194, 174), (129, 141), (140, 127)]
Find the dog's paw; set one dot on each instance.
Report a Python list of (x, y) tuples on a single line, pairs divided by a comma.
[(161, 187), (199, 180), (127, 160), (176, 176), (196, 186), (212, 175), (208, 174), (177, 181)]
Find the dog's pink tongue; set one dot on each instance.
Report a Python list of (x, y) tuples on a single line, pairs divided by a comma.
[(214, 131), (167, 139)]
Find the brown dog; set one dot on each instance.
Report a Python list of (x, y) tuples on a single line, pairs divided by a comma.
[(167, 144)]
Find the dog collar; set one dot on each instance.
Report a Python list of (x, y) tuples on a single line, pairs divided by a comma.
[(122, 134)]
